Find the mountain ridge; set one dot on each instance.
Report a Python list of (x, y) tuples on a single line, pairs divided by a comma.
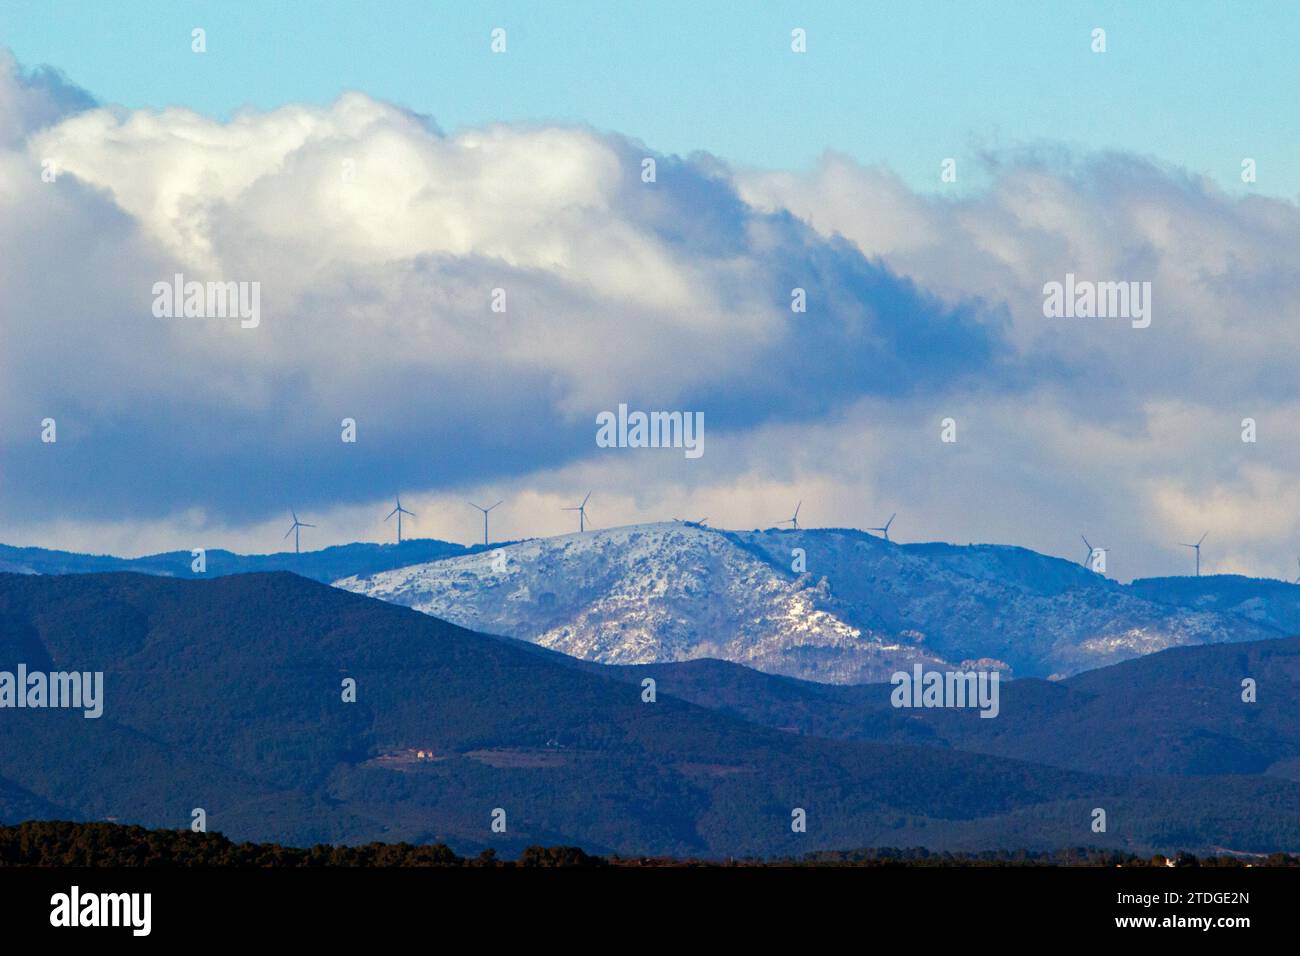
[(834, 605), (323, 565)]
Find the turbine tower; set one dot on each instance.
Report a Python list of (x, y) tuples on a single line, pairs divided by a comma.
[(1197, 548), (885, 529), (293, 530), (399, 511), (1092, 552), (485, 514), (582, 513), (793, 520), (1297, 564)]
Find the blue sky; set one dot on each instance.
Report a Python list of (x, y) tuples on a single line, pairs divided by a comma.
[(379, 173), (904, 84)]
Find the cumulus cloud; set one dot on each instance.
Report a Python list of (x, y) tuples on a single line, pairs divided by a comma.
[(31, 99), (1136, 431), (1221, 266), (378, 241)]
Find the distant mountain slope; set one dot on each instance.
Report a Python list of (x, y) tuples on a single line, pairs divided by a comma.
[(328, 564), (1175, 712), (18, 804), (1270, 603), (860, 609), (649, 592), (225, 694)]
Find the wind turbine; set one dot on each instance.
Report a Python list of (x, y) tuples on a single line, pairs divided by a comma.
[(1197, 548), (485, 514), (885, 529), (399, 511), (698, 521), (1297, 580), (1088, 561), (293, 530), (793, 520), (582, 513)]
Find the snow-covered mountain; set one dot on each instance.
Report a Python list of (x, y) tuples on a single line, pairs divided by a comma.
[(831, 605)]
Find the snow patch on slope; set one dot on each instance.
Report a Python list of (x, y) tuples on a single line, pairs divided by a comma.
[(649, 593)]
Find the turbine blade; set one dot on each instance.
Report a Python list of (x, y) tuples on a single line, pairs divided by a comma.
[(585, 500), (391, 513)]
